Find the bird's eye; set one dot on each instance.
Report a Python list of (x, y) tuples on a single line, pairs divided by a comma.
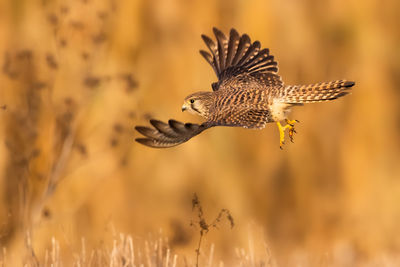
[(192, 101)]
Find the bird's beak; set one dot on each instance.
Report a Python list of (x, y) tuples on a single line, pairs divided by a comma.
[(184, 107)]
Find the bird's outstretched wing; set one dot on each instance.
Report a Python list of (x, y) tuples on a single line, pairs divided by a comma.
[(173, 133), (169, 134), (237, 60)]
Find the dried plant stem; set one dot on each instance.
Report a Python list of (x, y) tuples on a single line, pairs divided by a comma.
[(198, 248), (204, 226)]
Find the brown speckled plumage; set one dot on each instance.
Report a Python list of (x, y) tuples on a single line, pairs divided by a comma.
[(249, 92)]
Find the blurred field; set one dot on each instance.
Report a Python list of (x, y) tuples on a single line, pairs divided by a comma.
[(77, 76)]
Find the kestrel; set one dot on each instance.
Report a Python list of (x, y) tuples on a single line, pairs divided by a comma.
[(249, 93)]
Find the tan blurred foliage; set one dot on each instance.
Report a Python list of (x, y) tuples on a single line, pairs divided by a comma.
[(76, 76)]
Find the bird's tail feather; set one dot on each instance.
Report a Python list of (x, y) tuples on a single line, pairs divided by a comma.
[(297, 94)]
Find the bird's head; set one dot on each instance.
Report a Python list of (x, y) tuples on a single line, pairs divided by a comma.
[(198, 103)]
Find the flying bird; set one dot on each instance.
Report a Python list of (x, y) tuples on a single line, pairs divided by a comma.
[(249, 93)]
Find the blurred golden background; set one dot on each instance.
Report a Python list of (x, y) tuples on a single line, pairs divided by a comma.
[(77, 76)]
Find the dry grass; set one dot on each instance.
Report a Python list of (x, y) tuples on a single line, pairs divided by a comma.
[(124, 251), (76, 76)]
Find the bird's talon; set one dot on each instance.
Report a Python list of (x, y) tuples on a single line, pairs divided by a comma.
[(289, 125)]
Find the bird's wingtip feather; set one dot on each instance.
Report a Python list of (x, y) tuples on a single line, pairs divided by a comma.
[(349, 84)]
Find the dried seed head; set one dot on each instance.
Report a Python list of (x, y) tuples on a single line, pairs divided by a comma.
[(81, 149), (203, 225), (118, 128), (114, 142), (46, 212), (24, 55), (51, 61), (195, 201), (230, 219), (99, 38), (131, 83), (92, 82), (85, 56), (52, 19), (63, 43)]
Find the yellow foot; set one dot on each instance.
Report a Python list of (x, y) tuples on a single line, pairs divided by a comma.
[(289, 125)]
